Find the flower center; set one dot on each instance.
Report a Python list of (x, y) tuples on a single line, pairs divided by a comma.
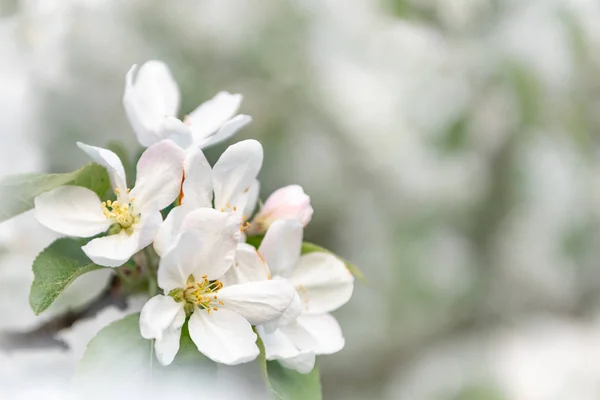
[(202, 294), (122, 214)]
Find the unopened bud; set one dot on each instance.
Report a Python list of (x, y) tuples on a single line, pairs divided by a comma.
[(289, 202)]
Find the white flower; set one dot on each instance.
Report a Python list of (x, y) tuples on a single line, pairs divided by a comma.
[(232, 180), (152, 105), (322, 282), (134, 218), (289, 202), (220, 315)]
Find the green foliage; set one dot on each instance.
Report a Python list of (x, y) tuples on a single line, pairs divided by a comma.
[(54, 269), (119, 358), (287, 384), (354, 270), (18, 191)]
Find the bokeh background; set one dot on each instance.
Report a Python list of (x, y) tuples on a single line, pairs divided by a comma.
[(450, 148)]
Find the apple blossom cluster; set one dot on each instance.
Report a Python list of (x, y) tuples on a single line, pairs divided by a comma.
[(229, 273)]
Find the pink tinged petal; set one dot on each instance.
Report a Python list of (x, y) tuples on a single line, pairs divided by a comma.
[(320, 334), (219, 233), (158, 314), (277, 344), (281, 246), (258, 302), (248, 267), (72, 211), (323, 282), (235, 172), (179, 263), (289, 202), (209, 116), (170, 230), (174, 129), (223, 336), (167, 346), (227, 130), (197, 185), (303, 363), (159, 176), (111, 162)]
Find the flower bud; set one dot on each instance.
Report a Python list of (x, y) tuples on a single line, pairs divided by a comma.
[(289, 202)]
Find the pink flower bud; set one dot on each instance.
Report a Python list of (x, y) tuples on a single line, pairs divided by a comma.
[(289, 202)]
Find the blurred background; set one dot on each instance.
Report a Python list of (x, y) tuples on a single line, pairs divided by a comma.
[(450, 148)]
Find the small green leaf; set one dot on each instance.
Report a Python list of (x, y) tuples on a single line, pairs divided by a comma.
[(54, 269), (17, 192), (119, 356), (287, 384), (354, 270)]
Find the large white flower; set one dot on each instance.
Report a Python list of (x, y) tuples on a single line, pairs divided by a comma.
[(134, 218), (232, 181), (220, 315), (322, 282), (152, 104)]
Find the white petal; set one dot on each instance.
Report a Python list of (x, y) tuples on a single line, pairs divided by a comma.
[(277, 344), (197, 185), (72, 211), (227, 130), (157, 315), (223, 336), (320, 334), (111, 162), (235, 172), (152, 97), (289, 316), (281, 246), (219, 233), (148, 227), (303, 363), (251, 198), (258, 302), (209, 116), (168, 345), (115, 250), (159, 176), (174, 129), (143, 119), (155, 84), (323, 282), (248, 267), (170, 230), (179, 263)]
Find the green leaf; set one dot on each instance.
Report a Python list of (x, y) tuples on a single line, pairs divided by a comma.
[(287, 384), (311, 248), (55, 268), (119, 358), (17, 192), (354, 270)]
